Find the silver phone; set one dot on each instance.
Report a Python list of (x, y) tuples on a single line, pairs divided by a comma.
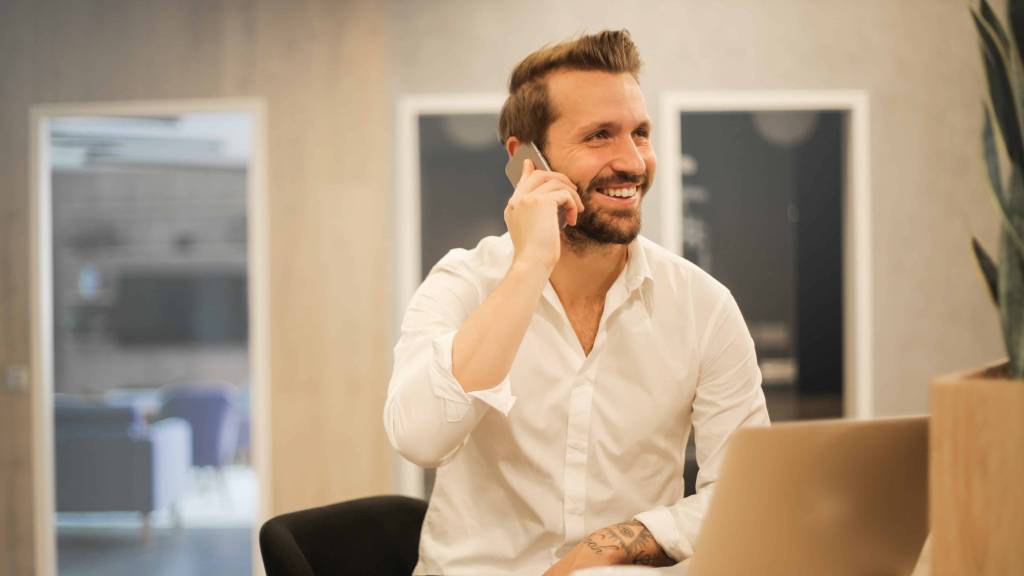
[(514, 169)]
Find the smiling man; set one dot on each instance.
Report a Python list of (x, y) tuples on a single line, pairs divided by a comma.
[(552, 376)]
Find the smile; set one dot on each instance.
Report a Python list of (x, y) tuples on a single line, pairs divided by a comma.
[(627, 192)]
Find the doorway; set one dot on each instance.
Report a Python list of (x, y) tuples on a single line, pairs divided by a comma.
[(150, 337)]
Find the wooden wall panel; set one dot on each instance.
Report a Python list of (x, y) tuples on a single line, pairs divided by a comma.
[(16, 522), (323, 68)]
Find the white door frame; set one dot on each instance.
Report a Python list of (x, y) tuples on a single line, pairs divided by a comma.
[(41, 299), (408, 476), (858, 393)]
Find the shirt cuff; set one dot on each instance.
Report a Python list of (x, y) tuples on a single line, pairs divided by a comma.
[(662, 525), (456, 400)]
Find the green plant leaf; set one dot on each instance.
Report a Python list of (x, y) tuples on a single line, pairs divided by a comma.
[(1011, 302), (989, 16), (1015, 12), (988, 268), (1001, 91), (995, 174), (995, 179)]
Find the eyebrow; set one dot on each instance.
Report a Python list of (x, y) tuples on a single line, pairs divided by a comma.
[(591, 128)]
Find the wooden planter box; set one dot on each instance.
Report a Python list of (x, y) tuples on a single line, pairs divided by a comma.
[(976, 474)]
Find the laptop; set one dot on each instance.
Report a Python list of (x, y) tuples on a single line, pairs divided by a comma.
[(837, 497)]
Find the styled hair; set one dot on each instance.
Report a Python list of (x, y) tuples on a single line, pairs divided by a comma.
[(527, 112)]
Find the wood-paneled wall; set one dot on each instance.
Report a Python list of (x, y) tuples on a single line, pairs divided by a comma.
[(323, 68)]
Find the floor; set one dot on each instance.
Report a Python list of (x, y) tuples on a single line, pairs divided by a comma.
[(169, 552), (215, 535)]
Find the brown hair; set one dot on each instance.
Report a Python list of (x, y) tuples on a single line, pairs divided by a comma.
[(527, 112)]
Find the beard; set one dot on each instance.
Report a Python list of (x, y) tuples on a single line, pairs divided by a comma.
[(602, 225)]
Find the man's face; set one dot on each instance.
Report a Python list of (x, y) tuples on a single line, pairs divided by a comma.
[(600, 139)]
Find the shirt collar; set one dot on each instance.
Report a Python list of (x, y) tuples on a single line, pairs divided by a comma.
[(636, 276), (638, 272)]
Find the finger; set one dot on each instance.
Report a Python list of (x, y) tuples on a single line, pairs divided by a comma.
[(577, 201), (528, 169), (536, 184), (529, 179), (573, 214), (546, 175), (550, 186), (540, 178), (564, 178), (564, 199)]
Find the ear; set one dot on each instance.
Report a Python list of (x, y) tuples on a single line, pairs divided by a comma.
[(511, 145)]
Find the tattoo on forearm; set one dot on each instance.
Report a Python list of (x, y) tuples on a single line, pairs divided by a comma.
[(630, 539), (598, 548)]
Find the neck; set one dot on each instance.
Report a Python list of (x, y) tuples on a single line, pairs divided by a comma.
[(584, 273)]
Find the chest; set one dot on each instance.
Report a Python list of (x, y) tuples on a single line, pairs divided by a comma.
[(633, 387), (585, 318), (620, 381)]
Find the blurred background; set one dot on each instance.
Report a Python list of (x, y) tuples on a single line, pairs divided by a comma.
[(229, 203)]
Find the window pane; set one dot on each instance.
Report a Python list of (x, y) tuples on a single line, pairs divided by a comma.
[(762, 205), (462, 183)]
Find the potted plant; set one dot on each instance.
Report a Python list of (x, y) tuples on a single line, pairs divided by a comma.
[(977, 427)]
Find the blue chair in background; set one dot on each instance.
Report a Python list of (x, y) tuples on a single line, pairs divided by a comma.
[(243, 405), (209, 407)]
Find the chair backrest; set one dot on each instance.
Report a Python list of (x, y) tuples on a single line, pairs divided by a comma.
[(89, 418), (378, 535), (208, 409)]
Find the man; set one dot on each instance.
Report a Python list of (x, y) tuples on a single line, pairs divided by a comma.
[(552, 375)]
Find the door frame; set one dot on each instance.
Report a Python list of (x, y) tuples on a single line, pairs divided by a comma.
[(858, 363), (41, 300)]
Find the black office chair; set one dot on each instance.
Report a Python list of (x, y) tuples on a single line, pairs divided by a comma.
[(378, 536)]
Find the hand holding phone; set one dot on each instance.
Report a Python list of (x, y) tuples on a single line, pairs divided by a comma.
[(514, 170), (543, 201)]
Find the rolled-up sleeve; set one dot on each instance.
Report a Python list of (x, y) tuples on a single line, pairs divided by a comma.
[(428, 416), (728, 397)]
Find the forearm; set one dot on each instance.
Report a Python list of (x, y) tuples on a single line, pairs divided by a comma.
[(627, 543), (489, 339)]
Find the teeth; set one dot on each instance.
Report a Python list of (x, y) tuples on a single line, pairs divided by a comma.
[(620, 192)]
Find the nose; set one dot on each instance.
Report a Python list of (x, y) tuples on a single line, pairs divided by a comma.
[(628, 158)]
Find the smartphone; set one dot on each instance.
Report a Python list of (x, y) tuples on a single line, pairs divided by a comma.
[(514, 169)]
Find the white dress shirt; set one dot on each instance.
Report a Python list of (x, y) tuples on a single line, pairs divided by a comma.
[(569, 443)]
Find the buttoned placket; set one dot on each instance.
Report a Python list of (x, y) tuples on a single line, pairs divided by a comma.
[(579, 412)]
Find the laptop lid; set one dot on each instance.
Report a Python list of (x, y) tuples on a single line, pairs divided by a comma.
[(834, 497)]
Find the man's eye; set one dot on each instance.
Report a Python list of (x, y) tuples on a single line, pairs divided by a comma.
[(599, 135), (641, 133)]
